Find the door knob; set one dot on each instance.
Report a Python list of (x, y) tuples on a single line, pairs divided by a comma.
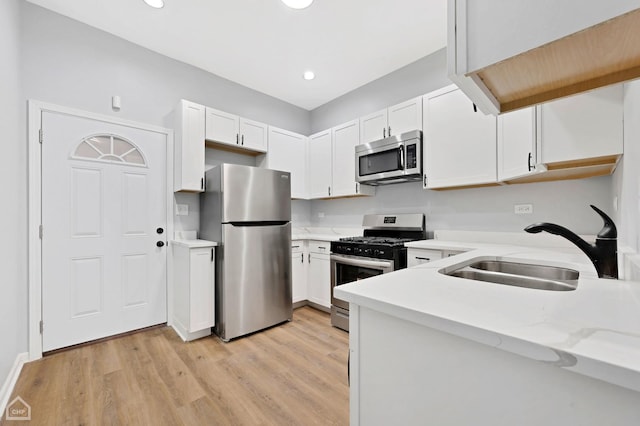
[(160, 244), (159, 230)]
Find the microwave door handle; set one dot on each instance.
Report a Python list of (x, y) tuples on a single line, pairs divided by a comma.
[(401, 149)]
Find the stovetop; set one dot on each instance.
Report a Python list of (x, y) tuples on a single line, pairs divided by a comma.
[(387, 241)]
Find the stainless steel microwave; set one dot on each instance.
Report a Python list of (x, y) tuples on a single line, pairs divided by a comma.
[(391, 160)]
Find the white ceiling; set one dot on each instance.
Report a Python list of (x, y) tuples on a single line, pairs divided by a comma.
[(264, 45)]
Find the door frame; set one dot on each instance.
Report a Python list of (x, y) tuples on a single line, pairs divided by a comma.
[(36, 110)]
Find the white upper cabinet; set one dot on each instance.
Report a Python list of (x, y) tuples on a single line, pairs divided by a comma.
[(288, 152), (222, 127), (373, 126), (320, 165), (459, 146), (395, 120), (253, 135), (582, 127), (189, 147), (345, 138), (517, 144), (506, 55), (405, 116), (228, 129)]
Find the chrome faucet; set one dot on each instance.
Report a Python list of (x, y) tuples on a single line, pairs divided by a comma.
[(603, 254)]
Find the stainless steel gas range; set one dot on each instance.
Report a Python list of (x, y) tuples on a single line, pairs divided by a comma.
[(379, 251)]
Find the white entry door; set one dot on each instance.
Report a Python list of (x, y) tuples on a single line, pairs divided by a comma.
[(104, 219)]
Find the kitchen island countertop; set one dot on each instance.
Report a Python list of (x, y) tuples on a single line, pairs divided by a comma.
[(593, 330)]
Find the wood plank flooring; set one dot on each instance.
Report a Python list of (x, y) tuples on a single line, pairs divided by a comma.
[(293, 374)]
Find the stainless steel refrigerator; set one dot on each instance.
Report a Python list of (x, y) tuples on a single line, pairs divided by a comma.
[(248, 210)]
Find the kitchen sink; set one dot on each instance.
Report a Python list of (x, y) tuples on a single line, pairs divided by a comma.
[(539, 277)]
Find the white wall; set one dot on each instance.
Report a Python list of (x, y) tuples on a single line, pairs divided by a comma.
[(72, 64), (626, 184), (480, 209), (13, 175), (418, 78)]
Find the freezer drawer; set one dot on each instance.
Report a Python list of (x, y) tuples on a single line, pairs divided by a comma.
[(254, 291)]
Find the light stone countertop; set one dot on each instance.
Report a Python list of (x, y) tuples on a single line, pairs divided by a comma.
[(194, 243), (323, 234), (593, 330)]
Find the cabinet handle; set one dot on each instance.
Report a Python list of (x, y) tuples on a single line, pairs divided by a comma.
[(301, 257), (384, 132), (321, 248), (529, 161), (295, 246), (201, 183), (423, 258), (212, 254), (475, 108), (329, 190), (356, 188), (242, 139), (389, 131), (309, 257), (425, 181), (237, 138)]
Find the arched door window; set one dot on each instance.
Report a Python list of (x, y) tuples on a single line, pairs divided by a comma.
[(109, 148)]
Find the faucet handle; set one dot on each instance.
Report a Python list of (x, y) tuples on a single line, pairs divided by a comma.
[(609, 229)]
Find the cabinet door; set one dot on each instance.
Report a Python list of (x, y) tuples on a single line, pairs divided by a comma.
[(584, 126), (202, 297), (405, 117), (320, 165), (222, 127), (189, 147), (345, 139), (288, 152), (319, 279), (298, 271), (373, 126), (459, 143), (253, 135), (516, 143)]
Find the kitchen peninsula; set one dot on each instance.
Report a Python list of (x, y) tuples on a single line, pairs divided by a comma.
[(431, 348)]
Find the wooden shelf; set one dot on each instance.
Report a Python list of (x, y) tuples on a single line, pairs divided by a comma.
[(605, 54)]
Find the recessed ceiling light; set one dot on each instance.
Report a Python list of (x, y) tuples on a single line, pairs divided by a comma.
[(308, 75), (297, 4), (158, 4)]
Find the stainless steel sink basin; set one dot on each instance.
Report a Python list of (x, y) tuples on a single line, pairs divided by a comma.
[(539, 277)]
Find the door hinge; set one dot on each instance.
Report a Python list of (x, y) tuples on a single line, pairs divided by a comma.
[(40, 137), (41, 326), (40, 231)]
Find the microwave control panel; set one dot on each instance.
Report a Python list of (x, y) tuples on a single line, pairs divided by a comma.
[(412, 156)]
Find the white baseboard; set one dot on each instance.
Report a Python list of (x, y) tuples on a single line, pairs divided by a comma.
[(10, 382), (186, 335)]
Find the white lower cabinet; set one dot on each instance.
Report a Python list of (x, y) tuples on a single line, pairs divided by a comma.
[(319, 277), (298, 271), (193, 289)]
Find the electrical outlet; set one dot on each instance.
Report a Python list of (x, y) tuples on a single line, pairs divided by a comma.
[(523, 208), (182, 209)]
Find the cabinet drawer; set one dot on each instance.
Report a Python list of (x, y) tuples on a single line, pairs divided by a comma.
[(297, 246), (321, 247), (419, 256)]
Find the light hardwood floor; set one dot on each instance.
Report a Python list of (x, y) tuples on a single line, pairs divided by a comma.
[(293, 374)]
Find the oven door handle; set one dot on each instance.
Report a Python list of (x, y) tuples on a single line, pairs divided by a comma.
[(361, 262)]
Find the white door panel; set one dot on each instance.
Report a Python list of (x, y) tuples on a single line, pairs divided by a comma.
[(102, 202)]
